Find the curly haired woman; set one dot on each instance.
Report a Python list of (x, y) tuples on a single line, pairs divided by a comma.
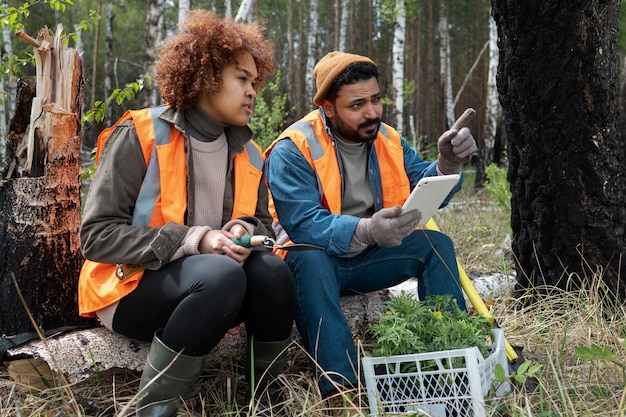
[(173, 186)]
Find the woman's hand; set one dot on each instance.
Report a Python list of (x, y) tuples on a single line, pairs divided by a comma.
[(218, 242)]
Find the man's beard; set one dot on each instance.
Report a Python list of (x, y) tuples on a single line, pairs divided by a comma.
[(349, 134)]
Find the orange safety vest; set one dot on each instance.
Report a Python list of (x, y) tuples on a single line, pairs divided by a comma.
[(310, 136), (162, 198)]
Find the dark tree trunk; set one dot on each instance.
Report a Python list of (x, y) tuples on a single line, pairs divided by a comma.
[(558, 85), (40, 202)]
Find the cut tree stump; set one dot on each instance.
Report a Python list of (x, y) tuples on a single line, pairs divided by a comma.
[(40, 196)]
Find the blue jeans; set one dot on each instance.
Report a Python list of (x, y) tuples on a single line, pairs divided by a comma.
[(321, 280)]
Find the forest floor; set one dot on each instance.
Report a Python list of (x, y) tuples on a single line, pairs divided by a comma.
[(572, 349)]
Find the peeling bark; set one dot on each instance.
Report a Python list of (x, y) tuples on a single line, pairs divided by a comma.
[(40, 203)]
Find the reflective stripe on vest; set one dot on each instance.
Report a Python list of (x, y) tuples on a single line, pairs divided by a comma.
[(151, 186)]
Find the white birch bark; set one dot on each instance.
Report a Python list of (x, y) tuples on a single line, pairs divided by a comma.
[(153, 34), (228, 8), (444, 62), (399, 40), (343, 25), (312, 46), (183, 8), (244, 14), (108, 40), (8, 86), (80, 44), (493, 109)]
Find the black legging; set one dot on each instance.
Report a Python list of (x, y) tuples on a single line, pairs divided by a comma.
[(196, 299)]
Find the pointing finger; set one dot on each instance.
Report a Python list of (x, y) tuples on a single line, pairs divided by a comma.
[(464, 119)]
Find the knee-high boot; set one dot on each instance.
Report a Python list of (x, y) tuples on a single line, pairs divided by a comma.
[(159, 395), (265, 361)]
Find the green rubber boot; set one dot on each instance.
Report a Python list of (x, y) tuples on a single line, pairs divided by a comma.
[(160, 393), (265, 361)]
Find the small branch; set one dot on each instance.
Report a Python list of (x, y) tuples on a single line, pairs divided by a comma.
[(20, 34)]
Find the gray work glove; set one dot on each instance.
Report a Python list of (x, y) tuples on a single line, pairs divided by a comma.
[(387, 227), (455, 148)]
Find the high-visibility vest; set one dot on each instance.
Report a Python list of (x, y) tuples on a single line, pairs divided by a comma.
[(162, 198), (310, 136)]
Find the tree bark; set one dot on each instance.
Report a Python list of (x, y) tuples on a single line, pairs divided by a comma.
[(183, 9), (244, 14), (40, 211), (399, 41), (558, 85), (493, 110), (343, 25), (445, 70), (311, 52), (148, 95), (8, 86)]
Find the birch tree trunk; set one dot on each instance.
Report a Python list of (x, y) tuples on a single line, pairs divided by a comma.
[(311, 50), (40, 207), (444, 63), (108, 40), (493, 109), (244, 14), (94, 60), (8, 50), (343, 25), (183, 8), (228, 8), (8, 86), (399, 40), (148, 95)]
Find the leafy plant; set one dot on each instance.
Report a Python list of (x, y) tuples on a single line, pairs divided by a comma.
[(269, 117), (411, 326), (499, 186), (119, 96), (525, 371)]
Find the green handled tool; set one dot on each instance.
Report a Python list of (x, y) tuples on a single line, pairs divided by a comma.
[(251, 241)]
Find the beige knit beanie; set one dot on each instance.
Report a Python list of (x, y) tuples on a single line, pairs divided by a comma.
[(329, 68)]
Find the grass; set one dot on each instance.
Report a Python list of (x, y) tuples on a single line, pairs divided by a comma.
[(576, 337)]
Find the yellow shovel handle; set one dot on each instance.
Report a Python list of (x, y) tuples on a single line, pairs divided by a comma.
[(474, 297)]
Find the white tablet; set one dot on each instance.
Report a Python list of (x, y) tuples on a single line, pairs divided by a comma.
[(428, 195)]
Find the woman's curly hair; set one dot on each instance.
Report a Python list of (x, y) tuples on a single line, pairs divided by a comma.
[(191, 61)]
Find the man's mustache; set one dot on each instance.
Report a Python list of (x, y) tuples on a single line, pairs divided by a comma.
[(368, 123)]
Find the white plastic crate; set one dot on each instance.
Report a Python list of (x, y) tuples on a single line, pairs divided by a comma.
[(451, 383)]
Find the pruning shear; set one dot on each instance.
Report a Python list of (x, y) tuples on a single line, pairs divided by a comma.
[(251, 241)]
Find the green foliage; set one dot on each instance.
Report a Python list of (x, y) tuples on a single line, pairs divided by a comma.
[(595, 352), (525, 371), (14, 16), (411, 326), (12, 65), (119, 96), (499, 186), (268, 119)]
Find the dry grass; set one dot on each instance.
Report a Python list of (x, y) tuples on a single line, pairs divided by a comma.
[(548, 330)]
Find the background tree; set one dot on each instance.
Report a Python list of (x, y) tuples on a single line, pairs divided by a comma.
[(399, 40), (488, 152), (360, 25), (558, 85), (154, 33)]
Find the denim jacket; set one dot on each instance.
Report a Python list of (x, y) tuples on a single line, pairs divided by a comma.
[(295, 192)]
